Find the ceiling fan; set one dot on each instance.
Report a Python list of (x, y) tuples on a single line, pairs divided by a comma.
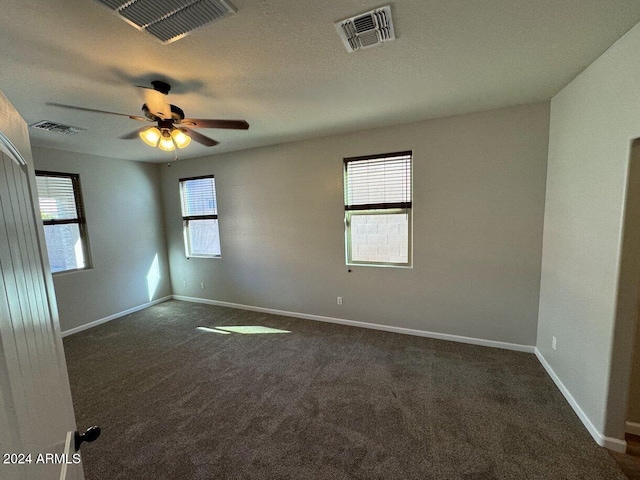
[(172, 129)]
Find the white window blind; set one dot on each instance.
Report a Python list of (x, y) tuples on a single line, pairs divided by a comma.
[(57, 197), (378, 182), (198, 196)]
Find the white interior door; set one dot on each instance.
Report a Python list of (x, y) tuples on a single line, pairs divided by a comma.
[(36, 412)]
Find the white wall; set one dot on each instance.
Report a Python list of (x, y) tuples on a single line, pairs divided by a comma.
[(125, 225), (479, 184), (593, 122)]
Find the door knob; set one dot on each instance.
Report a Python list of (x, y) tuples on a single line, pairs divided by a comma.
[(91, 434)]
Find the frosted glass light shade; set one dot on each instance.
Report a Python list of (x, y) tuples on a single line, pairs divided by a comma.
[(151, 136), (166, 142), (180, 138)]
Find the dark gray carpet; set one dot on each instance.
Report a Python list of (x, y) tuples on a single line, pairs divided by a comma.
[(323, 402)]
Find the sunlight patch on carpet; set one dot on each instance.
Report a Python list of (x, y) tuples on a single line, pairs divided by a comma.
[(212, 330), (251, 329)]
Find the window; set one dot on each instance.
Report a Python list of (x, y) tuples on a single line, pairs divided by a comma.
[(65, 227), (200, 216), (377, 203)]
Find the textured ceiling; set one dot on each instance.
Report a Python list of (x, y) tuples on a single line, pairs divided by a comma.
[(280, 65)]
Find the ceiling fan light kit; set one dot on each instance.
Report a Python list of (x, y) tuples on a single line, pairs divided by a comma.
[(165, 139)]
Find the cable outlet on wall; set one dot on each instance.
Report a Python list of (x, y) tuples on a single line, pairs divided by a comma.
[(553, 343), (339, 300), (202, 285)]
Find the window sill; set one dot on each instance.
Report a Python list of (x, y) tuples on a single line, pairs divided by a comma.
[(66, 272), (380, 265)]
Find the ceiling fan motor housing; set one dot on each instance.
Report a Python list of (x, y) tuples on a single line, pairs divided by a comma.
[(177, 114)]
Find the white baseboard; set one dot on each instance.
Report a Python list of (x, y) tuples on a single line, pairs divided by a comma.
[(633, 428), (100, 321), (608, 442), (373, 326)]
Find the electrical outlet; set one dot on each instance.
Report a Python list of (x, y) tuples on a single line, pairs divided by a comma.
[(553, 343), (184, 283), (202, 285), (339, 300)]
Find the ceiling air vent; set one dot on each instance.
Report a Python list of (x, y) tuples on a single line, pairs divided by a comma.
[(366, 30), (169, 20), (56, 127)]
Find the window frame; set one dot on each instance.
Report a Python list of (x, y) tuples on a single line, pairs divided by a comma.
[(378, 209), (80, 220), (187, 218)]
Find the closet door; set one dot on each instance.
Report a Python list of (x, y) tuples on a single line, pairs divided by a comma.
[(36, 413)]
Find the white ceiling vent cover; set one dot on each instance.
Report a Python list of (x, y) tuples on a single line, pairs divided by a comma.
[(366, 30), (169, 20), (56, 127)]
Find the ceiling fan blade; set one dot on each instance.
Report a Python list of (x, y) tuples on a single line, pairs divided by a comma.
[(156, 103), (198, 137), (72, 107), (211, 123), (132, 135)]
